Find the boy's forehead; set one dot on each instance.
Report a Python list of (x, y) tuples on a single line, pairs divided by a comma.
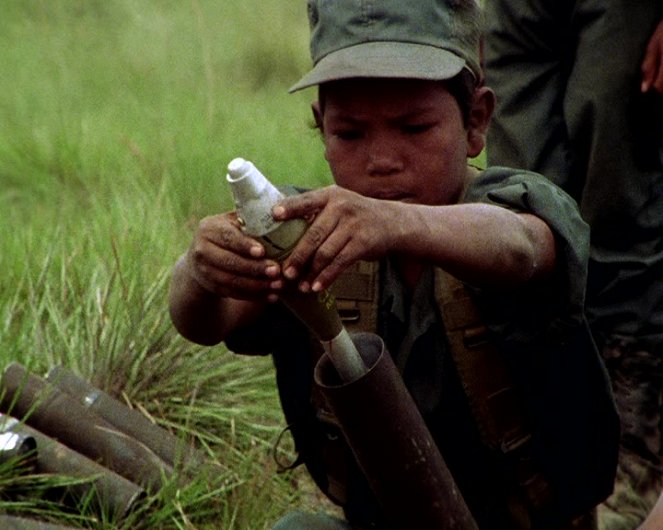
[(377, 86), (404, 96)]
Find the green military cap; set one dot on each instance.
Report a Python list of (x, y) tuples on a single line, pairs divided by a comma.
[(419, 39)]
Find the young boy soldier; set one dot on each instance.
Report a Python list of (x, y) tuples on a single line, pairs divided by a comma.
[(401, 108)]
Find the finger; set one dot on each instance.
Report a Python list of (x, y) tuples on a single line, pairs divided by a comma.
[(225, 233), (648, 72), (652, 63), (209, 257), (330, 261), (244, 288), (226, 281), (305, 205), (301, 258)]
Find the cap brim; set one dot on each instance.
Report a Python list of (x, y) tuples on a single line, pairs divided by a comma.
[(384, 59)]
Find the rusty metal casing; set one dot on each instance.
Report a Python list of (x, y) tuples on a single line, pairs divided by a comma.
[(392, 444), (107, 488), (58, 415), (169, 448), (10, 522)]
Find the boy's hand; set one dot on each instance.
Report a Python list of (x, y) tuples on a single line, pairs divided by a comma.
[(652, 64), (347, 227), (223, 260)]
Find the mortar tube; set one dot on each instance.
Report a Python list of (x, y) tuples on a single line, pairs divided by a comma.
[(57, 414), (166, 446), (109, 489), (391, 443)]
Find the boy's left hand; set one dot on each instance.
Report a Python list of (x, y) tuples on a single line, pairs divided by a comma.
[(652, 64), (346, 227)]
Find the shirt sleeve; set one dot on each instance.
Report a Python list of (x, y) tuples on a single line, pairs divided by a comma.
[(556, 304)]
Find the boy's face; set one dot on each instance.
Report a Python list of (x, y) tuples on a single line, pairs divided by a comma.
[(398, 139)]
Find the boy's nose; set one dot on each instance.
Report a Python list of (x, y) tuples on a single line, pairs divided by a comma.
[(383, 158)]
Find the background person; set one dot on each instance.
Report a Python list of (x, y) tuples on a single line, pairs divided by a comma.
[(579, 99)]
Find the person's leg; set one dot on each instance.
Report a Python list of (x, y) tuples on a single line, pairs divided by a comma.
[(527, 59), (637, 377), (609, 125), (615, 144)]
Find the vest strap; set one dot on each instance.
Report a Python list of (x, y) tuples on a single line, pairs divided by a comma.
[(483, 372)]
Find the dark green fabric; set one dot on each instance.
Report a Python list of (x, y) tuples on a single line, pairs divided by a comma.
[(556, 304), (543, 330), (569, 106), (392, 38)]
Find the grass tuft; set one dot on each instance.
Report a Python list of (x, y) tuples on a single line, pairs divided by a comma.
[(118, 120)]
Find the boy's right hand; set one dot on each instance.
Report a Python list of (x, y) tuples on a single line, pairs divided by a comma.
[(225, 261)]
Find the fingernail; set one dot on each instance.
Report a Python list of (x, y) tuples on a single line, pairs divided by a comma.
[(304, 287), (317, 287), (278, 284), (256, 251), (290, 273), (278, 211), (272, 270)]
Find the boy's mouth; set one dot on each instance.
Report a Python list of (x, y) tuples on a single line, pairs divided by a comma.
[(392, 196)]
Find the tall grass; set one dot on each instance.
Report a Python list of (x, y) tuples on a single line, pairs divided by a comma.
[(117, 119)]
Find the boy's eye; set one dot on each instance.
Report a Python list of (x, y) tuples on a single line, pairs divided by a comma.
[(348, 134), (416, 128)]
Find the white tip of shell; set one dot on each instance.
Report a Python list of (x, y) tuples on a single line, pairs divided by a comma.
[(238, 167)]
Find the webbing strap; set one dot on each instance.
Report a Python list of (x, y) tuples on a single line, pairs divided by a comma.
[(356, 293), (482, 368), (489, 387)]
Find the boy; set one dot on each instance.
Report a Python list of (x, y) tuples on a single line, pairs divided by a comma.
[(400, 109)]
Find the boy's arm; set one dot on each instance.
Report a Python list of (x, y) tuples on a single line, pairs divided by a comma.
[(200, 315), (483, 244)]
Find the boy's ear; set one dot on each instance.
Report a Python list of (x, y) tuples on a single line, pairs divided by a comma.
[(479, 119), (317, 114)]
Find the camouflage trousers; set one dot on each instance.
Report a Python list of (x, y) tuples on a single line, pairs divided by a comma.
[(637, 379)]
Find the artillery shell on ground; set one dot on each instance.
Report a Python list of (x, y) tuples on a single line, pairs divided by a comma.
[(10, 522), (169, 448), (107, 488), (60, 416)]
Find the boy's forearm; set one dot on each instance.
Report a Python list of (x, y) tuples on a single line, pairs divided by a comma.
[(480, 243), (193, 309), (198, 314)]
